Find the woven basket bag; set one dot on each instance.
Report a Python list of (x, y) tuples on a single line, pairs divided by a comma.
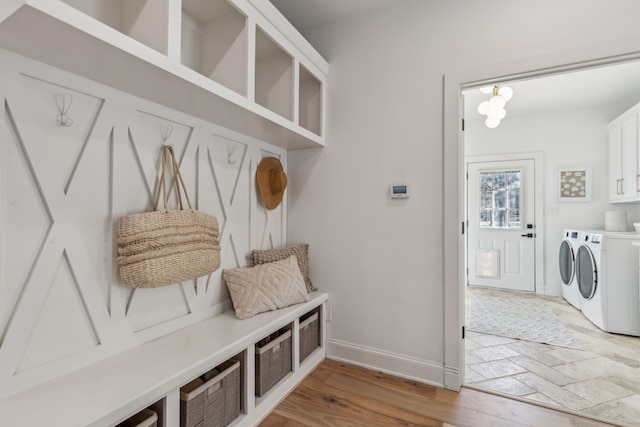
[(162, 247)]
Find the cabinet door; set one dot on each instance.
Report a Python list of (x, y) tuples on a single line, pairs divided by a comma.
[(630, 158), (615, 162)]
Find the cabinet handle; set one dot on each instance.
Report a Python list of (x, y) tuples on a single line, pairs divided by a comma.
[(637, 183), (618, 186)]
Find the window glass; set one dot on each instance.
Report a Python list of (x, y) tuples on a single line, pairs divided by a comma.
[(513, 180), (500, 199), (514, 199)]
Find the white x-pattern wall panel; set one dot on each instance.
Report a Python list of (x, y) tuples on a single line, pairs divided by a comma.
[(75, 157)]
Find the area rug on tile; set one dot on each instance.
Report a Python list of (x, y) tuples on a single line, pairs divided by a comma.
[(529, 320)]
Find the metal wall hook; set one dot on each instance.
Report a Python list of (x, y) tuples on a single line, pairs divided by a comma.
[(64, 104), (166, 133), (231, 148)]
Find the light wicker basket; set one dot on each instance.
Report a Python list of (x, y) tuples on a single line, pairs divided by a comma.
[(213, 399), (273, 361), (309, 333), (144, 418)]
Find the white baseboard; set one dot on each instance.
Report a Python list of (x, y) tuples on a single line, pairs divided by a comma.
[(452, 380), (423, 371)]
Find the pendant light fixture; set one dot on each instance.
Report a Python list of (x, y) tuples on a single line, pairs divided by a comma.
[(494, 107)]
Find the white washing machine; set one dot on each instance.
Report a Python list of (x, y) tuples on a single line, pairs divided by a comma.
[(607, 275), (567, 266)]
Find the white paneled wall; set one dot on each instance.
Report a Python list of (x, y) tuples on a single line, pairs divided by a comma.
[(63, 188)]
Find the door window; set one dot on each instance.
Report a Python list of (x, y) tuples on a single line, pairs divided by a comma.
[(566, 263), (586, 273), (500, 200)]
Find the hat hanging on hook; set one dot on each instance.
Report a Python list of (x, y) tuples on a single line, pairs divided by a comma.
[(272, 181)]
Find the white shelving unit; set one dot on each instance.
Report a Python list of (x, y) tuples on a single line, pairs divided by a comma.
[(236, 63), (151, 374), (209, 59)]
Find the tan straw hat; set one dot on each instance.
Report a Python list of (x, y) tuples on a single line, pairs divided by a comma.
[(272, 181)]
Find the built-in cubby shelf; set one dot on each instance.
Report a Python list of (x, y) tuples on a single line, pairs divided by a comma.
[(310, 101), (214, 42), (274, 76), (236, 63), (142, 20)]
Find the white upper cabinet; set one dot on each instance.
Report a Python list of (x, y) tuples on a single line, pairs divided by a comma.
[(624, 171), (236, 63)]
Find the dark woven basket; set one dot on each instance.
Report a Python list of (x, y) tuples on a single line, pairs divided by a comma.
[(213, 399), (144, 418), (309, 336), (273, 361)]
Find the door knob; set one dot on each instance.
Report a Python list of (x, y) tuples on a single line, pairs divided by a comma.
[(529, 235)]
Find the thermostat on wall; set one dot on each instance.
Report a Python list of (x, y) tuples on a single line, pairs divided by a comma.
[(399, 191)]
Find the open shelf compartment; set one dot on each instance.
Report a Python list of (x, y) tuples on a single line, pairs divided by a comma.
[(310, 101), (274, 76), (214, 42), (142, 20)]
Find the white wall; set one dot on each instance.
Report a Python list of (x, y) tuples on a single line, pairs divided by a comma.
[(63, 304), (566, 138), (382, 261)]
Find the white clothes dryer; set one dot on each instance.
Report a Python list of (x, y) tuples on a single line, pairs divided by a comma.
[(567, 266), (607, 275)]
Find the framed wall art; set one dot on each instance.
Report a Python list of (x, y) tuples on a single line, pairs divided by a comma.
[(573, 184)]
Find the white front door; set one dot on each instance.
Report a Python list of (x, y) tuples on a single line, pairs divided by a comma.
[(501, 224)]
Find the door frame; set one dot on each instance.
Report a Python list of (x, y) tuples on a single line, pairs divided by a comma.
[(538, 196), (586, 56)]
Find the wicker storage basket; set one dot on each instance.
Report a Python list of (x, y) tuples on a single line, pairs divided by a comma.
[(309, 332), (144, 418), (213, 399), (273, 361)]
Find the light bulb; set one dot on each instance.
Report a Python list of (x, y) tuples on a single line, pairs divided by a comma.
[(497, 114), (486, 90), (496, 102), (492, 123), (483, 108), (506, 93)]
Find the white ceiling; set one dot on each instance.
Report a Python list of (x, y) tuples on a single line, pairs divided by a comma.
[(308, 14), (614, 85)]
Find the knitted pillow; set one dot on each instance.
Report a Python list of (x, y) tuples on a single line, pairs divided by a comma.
[(265, 287), (301, 252)]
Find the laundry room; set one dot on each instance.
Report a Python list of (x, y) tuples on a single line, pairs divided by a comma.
[(549, 220)]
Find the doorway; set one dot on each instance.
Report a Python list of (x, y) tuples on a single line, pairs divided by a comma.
[(572, 367)]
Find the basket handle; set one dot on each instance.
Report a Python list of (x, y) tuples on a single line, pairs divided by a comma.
[(177, 182)]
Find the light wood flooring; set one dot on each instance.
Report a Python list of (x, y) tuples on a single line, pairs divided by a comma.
[(337, 394)]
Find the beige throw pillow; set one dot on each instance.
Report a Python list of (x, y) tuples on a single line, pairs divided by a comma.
[(265, 287), (301, 252)]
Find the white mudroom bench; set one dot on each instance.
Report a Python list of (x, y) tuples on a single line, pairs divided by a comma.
[(150, 375)]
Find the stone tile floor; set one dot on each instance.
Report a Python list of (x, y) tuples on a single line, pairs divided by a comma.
[(602, 380)]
